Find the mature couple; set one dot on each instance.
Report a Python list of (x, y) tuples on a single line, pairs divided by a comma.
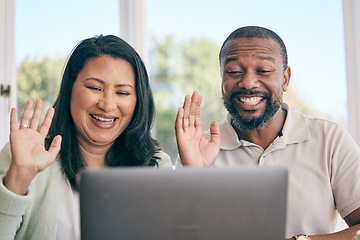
[(103, 115)]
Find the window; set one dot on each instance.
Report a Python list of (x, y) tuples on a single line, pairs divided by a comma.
[(185, 38), (46, 32)]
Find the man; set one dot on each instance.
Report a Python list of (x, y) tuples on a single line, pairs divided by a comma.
[(322, 159)]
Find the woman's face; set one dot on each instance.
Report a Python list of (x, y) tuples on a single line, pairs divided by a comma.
[(103, 100)]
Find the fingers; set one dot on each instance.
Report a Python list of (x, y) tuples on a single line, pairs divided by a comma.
[(53, 151), (34, 123), (55, 146), (194, 107), (197, 113), (24, 122), (189, 114), (13, 122), (215, 133), (191, 109), (186, 107), (179, 121), (45, 126)]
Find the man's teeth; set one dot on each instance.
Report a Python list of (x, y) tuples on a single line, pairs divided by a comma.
[(250, 101), (107, 120)]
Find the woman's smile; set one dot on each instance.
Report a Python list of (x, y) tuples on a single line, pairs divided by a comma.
[(103, 99)]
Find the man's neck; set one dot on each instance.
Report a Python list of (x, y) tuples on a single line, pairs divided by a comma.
[(265, 135)]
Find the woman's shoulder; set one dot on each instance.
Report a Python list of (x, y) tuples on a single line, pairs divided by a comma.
[(5, 158), (163, 160)]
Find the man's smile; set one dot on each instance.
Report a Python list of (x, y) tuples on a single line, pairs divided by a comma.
[(250, 101)]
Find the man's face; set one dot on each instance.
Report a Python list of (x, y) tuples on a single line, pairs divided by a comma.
[(253, 81)]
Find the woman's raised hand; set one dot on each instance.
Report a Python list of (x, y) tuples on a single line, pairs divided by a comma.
[(194, 148), (29, 156)]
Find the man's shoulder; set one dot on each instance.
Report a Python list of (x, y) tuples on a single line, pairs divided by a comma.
[(163, 160), (312, 120), (304, 126)]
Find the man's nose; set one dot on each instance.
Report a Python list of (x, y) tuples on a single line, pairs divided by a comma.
[(249, 81)]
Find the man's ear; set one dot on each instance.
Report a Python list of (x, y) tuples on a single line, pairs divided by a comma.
[(286, 78)]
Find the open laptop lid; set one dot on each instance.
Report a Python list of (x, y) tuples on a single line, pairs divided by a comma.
[(189, 203)]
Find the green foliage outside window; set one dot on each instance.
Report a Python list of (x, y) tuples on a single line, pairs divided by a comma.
[(38, 79), (177, 69)]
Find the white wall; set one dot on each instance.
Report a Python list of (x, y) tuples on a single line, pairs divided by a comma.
[(351, 12), (133, 25), (7, 65)]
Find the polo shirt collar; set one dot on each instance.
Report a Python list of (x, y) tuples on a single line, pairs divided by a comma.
[(295, 130)]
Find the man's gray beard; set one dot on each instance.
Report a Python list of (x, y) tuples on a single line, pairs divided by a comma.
[(241, 123)]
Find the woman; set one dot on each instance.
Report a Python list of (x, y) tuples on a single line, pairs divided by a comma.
[(102, 117)]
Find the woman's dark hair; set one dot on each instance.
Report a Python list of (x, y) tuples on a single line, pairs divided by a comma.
[(135, 146)]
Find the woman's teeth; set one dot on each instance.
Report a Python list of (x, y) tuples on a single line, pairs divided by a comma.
[(106, 120)]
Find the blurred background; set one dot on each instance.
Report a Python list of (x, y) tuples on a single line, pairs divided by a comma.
[(183, 40)]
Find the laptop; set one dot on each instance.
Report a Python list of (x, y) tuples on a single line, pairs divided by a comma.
[(187, 204)]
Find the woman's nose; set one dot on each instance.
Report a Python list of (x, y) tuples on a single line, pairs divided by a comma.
[(107, 101)]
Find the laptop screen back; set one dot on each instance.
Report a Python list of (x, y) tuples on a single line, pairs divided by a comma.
[(189, 203)]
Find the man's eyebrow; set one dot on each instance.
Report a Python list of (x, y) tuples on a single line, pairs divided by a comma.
[(230, 59), (271, 59), (235, 58)]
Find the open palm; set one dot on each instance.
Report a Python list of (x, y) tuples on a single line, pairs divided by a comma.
[(194, 148), (29, 156)]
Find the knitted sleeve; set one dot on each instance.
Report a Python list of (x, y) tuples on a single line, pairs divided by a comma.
[(12, 206)]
